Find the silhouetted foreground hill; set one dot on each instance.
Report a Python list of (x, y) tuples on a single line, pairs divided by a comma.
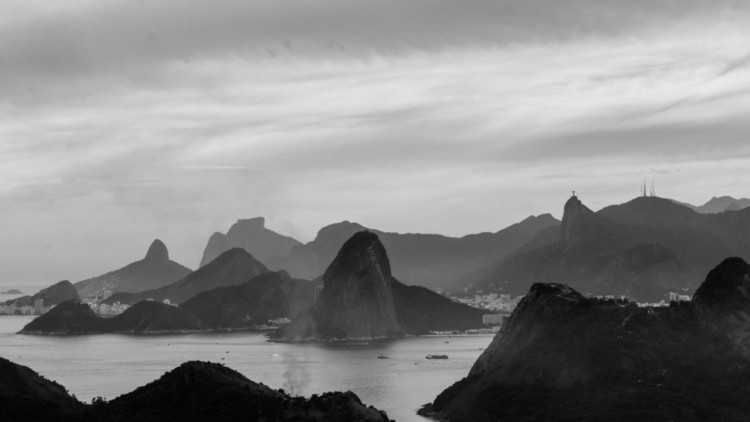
[(642, 249), (361, 300), (27, 396), (565, 357), (153, 271), (143, 317), (194, 391), (231, 268)]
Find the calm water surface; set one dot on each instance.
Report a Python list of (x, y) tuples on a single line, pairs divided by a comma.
[(110, 365)]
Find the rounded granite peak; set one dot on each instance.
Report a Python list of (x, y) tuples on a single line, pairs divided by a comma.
[(157, 252)]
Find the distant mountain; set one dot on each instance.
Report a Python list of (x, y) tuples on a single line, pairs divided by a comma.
[(268, 296), (252, 236), (360, 299), (231, 268), (143, 317), (193, 392), (28, 396), (641, 249), (566, 357), (153, 271), (716, 205), (52, 295), (429, 260)]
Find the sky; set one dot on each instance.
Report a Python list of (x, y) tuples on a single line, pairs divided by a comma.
[(125, 121)]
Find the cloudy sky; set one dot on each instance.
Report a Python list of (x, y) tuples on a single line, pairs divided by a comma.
[(122, 121)]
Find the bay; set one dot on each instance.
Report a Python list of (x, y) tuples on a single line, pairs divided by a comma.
[(110, 365)]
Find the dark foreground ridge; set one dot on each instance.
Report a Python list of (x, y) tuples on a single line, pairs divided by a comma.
[(194, 391), (566, 357)]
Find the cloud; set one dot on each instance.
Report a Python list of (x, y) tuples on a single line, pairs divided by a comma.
[(180, 117)]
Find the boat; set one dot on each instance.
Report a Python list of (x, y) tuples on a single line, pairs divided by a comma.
[(382, 357), (437, 356)]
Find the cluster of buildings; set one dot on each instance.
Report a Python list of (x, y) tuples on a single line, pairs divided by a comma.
[(492, 302), (104, 309), (14, 308)]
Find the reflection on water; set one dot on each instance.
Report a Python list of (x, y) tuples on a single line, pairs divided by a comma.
[(110, 365)]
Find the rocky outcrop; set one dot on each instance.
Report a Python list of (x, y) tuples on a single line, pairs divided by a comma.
[(430, 260), (153, 271), (357, 296), (265, 297), (144, 317), (252, 236), (360, 299), (231, 268), (563, 356), (194, 391)]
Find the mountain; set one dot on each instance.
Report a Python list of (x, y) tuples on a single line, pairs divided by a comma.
[(231, 268), (252, 236), (357, 296), (153, 271), (51, 296), (641, 249), (361, 299), (27, 396), (194, 391), (428, 260), (268, 296), (143, 317), (565, 357), (720, 204)]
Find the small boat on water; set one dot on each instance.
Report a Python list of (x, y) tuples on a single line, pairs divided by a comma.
[(382, 357), (437, 356)]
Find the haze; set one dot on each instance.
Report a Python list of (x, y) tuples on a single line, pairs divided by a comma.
[(124, 121)]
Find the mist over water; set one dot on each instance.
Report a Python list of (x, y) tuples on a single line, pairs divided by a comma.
[(110, 365)]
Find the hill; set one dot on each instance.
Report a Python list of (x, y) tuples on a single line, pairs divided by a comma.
[(153, 271), (268, 296), (27, 396), (566, 357), (252, 236), (50, 296), (194, 391), (231, 268), (143, 317)]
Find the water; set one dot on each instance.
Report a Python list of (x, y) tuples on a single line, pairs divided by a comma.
[(110, 365)]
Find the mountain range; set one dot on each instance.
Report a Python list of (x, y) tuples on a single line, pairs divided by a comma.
[(643, 249), (231, 268), (429, 260), (719, 204)]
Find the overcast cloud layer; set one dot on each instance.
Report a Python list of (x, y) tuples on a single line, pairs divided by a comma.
[(122, 121)]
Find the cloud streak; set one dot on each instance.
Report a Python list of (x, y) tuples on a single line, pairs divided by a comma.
[(173, 119)]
